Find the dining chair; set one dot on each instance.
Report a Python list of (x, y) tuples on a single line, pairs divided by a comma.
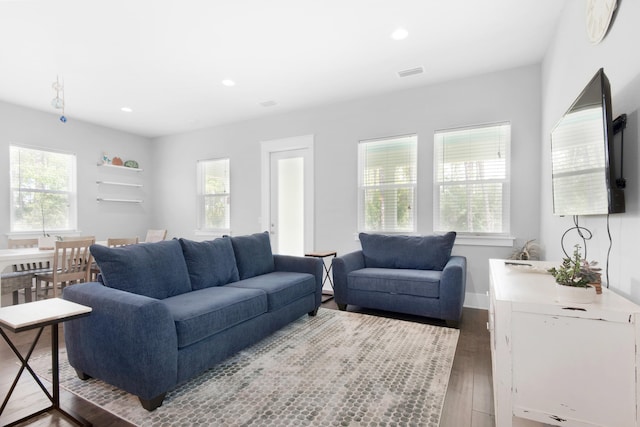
[(71, 264), (20, 279), (114, 242), (155, 236)]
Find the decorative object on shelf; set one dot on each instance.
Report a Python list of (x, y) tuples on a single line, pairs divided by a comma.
[(117, 161), (573, 279), (131, 164), (58, 101), (529, 251), (599, 14), (106, 160)]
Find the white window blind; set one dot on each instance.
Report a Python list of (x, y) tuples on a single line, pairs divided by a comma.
[(387, 170), (214, 213), (472, 180), (43, 190)]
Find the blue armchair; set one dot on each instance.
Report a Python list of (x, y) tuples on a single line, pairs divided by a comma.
[(405, 274)]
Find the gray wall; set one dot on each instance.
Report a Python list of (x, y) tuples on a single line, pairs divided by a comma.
[(570, 63), (512, 95), (24, 126)]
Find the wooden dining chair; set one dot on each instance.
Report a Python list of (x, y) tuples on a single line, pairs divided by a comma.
[(155, 236), (114, 242), (20, 279), (71, 264)]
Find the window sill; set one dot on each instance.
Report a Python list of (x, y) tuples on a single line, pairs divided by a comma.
[(35, 234), (212, 233), (501, 241)]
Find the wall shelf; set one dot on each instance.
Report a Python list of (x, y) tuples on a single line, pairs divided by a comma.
[(102, 199), (106, 165), (114, 188), (121, 184)]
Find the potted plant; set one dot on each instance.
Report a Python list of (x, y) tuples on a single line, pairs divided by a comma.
[(45, 241), (574, 278)]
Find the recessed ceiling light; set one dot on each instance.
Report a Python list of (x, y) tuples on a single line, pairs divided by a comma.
[(228, 82), (126, 109), (411, 71), (400, 34)]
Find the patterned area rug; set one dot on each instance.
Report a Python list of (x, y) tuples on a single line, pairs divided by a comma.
[(337, 369)]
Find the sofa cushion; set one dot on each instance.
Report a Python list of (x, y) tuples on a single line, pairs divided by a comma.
[(210, 263), (281, 287), (205, 312), (253, 254), (156, 270), (415, 252), (420, 283)]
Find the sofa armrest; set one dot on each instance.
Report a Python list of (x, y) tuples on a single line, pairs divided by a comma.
[(300, 264), (128, 340), (342, 266), (453, 283)]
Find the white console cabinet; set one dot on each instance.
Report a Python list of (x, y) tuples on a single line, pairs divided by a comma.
[(560, 364)]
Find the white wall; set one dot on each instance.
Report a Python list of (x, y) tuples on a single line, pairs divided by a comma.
[(24, 126), (570, 63), (512, 95)]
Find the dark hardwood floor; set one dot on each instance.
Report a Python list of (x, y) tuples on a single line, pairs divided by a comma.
[(469, 400)]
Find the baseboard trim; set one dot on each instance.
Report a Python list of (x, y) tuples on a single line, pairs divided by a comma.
[(473, 300)]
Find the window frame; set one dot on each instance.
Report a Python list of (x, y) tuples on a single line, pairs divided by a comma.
[(72, 194), (201, 196), (362, 188), (501, 238)]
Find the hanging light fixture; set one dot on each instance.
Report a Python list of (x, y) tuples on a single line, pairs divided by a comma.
[(58, 101)]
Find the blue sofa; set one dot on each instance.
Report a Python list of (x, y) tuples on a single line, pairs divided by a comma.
[(167, 311), (405, 274)]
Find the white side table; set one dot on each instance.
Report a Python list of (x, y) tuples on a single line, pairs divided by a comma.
[(38, 315)]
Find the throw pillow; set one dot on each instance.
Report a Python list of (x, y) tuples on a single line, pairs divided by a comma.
[(156, 270), (417, 252), (210, 263), (253, 254)]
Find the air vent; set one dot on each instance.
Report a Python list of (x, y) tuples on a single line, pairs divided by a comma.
[(268, 103), (411, 72)]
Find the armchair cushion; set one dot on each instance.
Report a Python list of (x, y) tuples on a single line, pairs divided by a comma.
[(411, 252), (420, 283), (210, 263), (253, 254), (155, 270)]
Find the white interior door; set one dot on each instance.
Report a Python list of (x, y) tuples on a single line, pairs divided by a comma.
[(288, 197), (287, 202)]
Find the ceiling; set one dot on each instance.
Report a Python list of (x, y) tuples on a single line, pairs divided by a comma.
[(166, 60)]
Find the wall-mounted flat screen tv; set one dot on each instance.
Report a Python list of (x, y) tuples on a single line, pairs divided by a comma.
[(583, 171)]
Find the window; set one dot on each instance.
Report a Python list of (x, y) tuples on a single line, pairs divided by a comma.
[(213, 195), (43, 190), (471, 194), (387, 184)]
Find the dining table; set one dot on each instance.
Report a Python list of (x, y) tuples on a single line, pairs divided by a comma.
[(9, 257)]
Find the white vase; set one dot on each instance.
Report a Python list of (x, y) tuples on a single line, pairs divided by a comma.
[(46, 242), (574, 294)]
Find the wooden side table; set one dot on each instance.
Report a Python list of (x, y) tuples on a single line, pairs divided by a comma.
[(327, 270), (38, 315)]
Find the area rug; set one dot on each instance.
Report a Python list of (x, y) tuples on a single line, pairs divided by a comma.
[(335, 369)]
